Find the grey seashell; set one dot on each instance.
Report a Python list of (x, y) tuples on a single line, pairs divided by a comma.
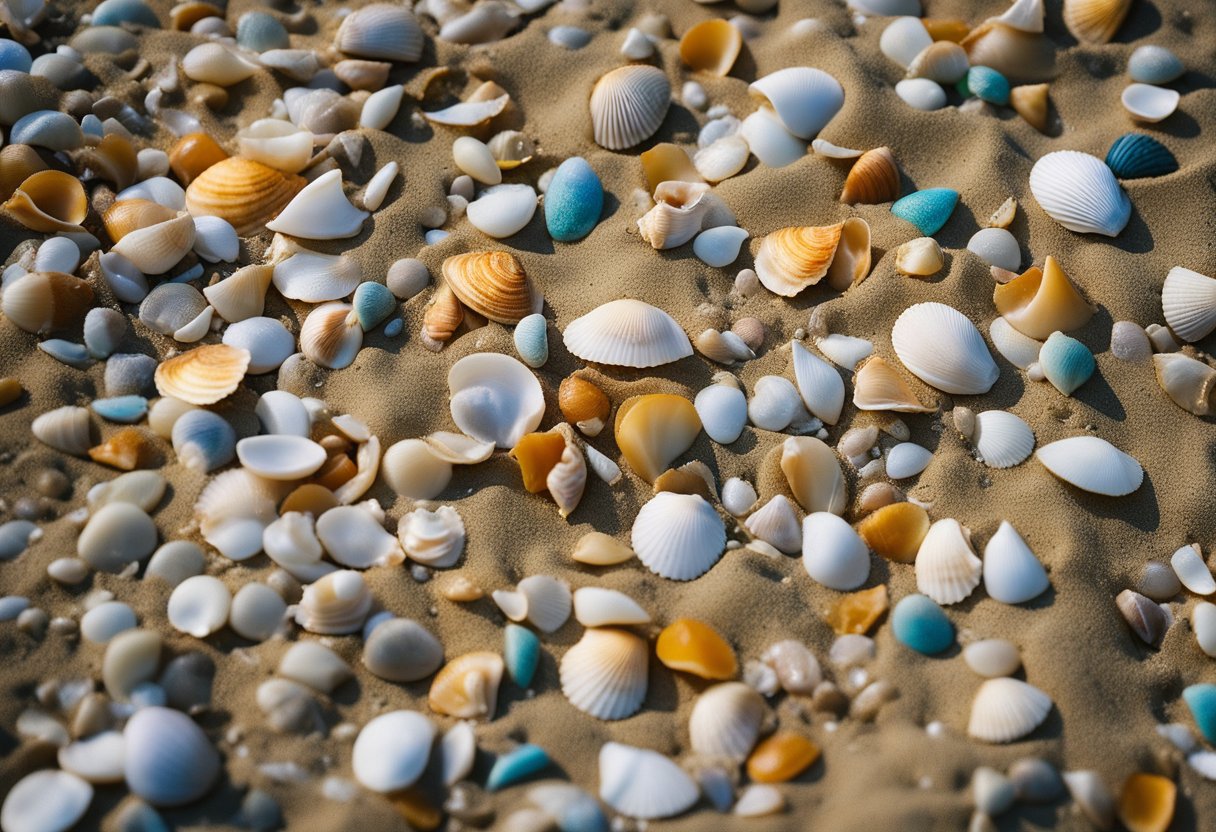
[(569, 37), (104, 330), (175, 561), (130, 374), (106, 40), (289, 707), (203, 440), (67, 352), (15, 536), (297, 64), (1151, 64), (171, 306), (50, 129), (260, 811), (315, 665), (259, 32), (139, 488), (22, 94), (186, 681), (116, 535), (402, 650), (169, 761), (381, 30), (68, 429), (64, 72), (488, 21), (257, 612), (104, 621), (407, 277), (323, 111), (126, 281)]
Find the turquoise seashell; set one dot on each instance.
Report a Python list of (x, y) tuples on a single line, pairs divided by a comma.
[(532, 340), (1201, 699), (573, 201), (14, 56), (1066, 362), (986, 84), (203, 440), (261, 32), (918, 622), (522, 654), (117, 12), (516, 765), (928, 210), (373, 303), (67, 352), (125, 410), (1136, 156)]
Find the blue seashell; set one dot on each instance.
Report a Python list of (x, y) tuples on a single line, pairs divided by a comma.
[(125, 410), (1136, 156), (1066, 362), (516, 765), (261, 32), (130, 374), (203, 440), (14, 56), (1151, 64), (918, 622), (15, 536), (91, 126), (532, 340), (573, 201), (12, 606), (373, 303), (47, 128), (1201, 699), (393, 328), (126, 282), (928, 210), (117, 12), (986, 84), (67, 352), (572, 808), (522, 654)]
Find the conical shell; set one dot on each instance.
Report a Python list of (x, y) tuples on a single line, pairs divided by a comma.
[(942, 348), (204, 375), (877, 386), (1031, 103), (1001, 439), (320, 211), (1095, 21), (49, 201), (68, 429), (1190, 383), (627, 333), (679, 212), (604, 674), (336, 604), (628, 104), (942, 61), (493, 284), (1041, 301), (791, 259), (494, 398), (1012, 574), (777, 524), (233, 512), (814, 475), (652, 430), (1188, 301), (678, 536), (804, 98), (873, 179), (382, 30), (1080, 193), (947, 569), (242, 294), (1092, 464), (330, 337), (246, 193), (726, 721), (1006, 709), (711, 46), (46, 302), (640, 783), (467, 686), (832, 553)]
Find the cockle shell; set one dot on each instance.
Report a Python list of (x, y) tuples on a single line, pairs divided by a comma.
[(1007, 709), (391, 750), (947, 569), (203, 375), (1001, 439), (726, 721), (245, 193), (832, 553), (791, 259), (502, 210), (1095, 21), (1092, 464), (1012, 574), (329, 336), (1188, 301), (1189, 382), (381, 30), (320, 211), (48, 302), (598, 607), (435, 538), (776, 523), (493, 284), (678, 215), (942, 348), (804, 98), (277, 143), (640, 783), (814, 475), (494, 398), (711, 46), (653, 430), (605, 673), (678, 536), (627, 333), (873, 179), (1080, 193), (336, 604), (1136, 156), (49, 201), (467, 686), (628, 104), (1041, 301)]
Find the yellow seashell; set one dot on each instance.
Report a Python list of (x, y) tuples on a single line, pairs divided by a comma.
[(157, 248), (204, 375), (127, 215), (10, 390), (873, 179), (666, 162), (124, 450), (583, 404), (1095, 21), (247, 194), (814, 475), (114, 159), (467, 686), (943, 28), (49, 201), (895, 531), (599, 549), (652, 430), (1003, 216), (192, 154), (1041, 301), (781, 757), (18, 162), (46, 302), (493, 284), (791, 259), (1147, 802), (1031, 103), (695, 647), (711, 46), (858, 611), (878, 386), (441, 319), (536, 454), (184, 15)]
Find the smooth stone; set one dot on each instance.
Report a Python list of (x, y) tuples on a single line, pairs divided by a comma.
[(928, 210), (1151, 64), (104, 621), (992, 657), (1201, 700), (993, 792), (315, 665), (267, 340), (130, 374), (407, 277), (922, 625), (116, 535), (14, 56), (12, 606), (516, 765), (573, 201), (521, 652), (1203, 622), (124, 410), (45, 801), (15, 536), (131, 658), (187, 680), (402, 650), (996, 247), (176, 561), (256, 612), (1036, 780), (169, 760)]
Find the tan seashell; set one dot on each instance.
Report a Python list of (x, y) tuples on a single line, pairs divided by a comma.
[(18, 162), (652, 430), (726, 721), (204, 375), (183, 16), (247, 194), (127, 215), (1041, 301), (678, 214), (192, 154), (493, 284), (553, 462), (690, 478), (362, 75), (873, 179), (49, 201), (666, 162), (1095, 21), (941, 61), (467, 686), (113, 159), (711, 46), (791, 259), (1030, 102), (583, 404), (1003, 216), (599, 549), (921, 257), (331, 336), (628, 105), (1018, 55), (1189, 382), (723, 347), (751, 331), (895, 531), (878, 386), (814, 475), (46, 302), (158, 248), (124, 450), (946, 28), (442, 318), (242, 294)]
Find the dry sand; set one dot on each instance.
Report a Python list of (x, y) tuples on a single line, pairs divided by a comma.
[(1109, 690)]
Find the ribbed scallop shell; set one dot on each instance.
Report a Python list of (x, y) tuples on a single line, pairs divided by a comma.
[(331, 336), (493, 284), (804, 98), (336, 604), (947, 569), (1095, 21), (874, 178), (246, 193), (234, 510), (1007, 709), (46, 302), (494, 398), (1188, 301), (204, 375), (381, 30), (1092, 464), (628, 104), (548, 601), (678, 536), (726, 721), (1135, 155), (878, 386), (49, 201), (777, 524), (791, 259), (627, 333), (652, 430), (127, 215), (1039, 302), (712, 46), (641, 783), (941, 347), (1002, 439), (68, 429), (1080, 193), (604, 674), (567, 479)]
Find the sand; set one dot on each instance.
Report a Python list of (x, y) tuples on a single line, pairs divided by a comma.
[(1109, 690)]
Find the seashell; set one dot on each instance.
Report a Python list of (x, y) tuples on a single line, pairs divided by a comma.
[(599, 549), (168, 760), (199, 606), (605, 673), (1201, 702), (320, 211), (921, 257), (711, 46), (267, 340), (381, 30), (820, 386), (1092, 797), (776, 523), (895, 531), (832, 553), (354, 537), (469, 113), (124, 450), (903, 39), (1190, 383), (986, 84), (49, 201), (873, 179), (1188, 301), (122, 409), (653, 430), (1019, 350), (814, 475), (413, 469), (1148, 103), (907, 459), (67, 429), (947, 569), (1080, 193), (281, 412), (678, 536), (193, 154), (769, 139), (233, 510), (485, 23), (1136, 156), (280, 456), (257, 611), (18, 162), (493, 284), (627, 333), (171, 307), (116, 535), (203, 441), (435, 538), (921, 94), (475, 159), (919, 623), (502, 210), (1092, 464), (1152, 64), (573, 201), (644, 784), (510, 149), (722, 159), (1147, 619), (1147, 801), (1040, 302), (291, 542), (260, 32), (314, 277), (844, 350), (722, 409), (628, 105), (928, 210), (391, 750), (494, 398), (678, 215), (804, 98), (1066, 362), (48, 129), (992, 658), (694, 647), (372, 303), (518, 764), (329, 336), (140, 488), (214, 63), (242, 294), (790, 259), (1012, 574), (1001, 439), (521, 650), (243, 192), (1006, 709), (128, 215), (857, 612), (996, 247), (336, 604), (1031, 103), (758, 800), (276, 143), (775, 403), (1192, 572), (467, 686), (781, 757), (942, 61), (204, 375), (719, 247), (47, 302), (67, 352), (723, 347), (726, 721), (597, 607), (1095, 21)]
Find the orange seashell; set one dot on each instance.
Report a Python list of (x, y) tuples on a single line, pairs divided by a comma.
[(204, 375), (493, 284), (193, 154), (44, 302), (951, 29), (695, 647), (666, 162), (184, 15), (895, 531), (1095, 21), (652, 430), (246, 193), (1039, 302), (873, 179), (690, 478), (858, 611), (10, 390), (18, 162), (414, 804), (336, 472), (791, 259), (1147, 802), (712, 46), (49, 201), (114, 159), (124, 450), (441, 319), (781, 757), (128, 215), (536, 454), (467, 686), (1031, 103), (583, 404), (878, 386), (309, 498)]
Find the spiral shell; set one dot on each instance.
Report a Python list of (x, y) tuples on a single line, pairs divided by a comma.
[(49, 201), (493, 284), (628, 105), (246, 193), (204, 375), (336, 604)]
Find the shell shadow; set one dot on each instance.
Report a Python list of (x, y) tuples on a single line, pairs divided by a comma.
[(1136, 237), (1140, 509), (1097, 393)]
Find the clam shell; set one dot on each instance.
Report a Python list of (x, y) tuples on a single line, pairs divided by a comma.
[(719, 247), (1019, 350), (214, 63), (947, 569), (873, 179), (378, 112), (171, 307), (844, 350), (1092, 464), (493, 284), (907, 459), (771, 142), (314, 277), (804, 98), (548, 602), (199, 606), (598, 607), (320, 211), (653, 430), (413, 469), (1095, 21), (336, 604), (1192, 572), (267, 340), (203, 441), (1188, 301), (1152, 64), (502, 210), (1149, 103), (281, 412), (640, 783), (1002, 439), (435, 538), (245, 193), (1040, 302), (401, 650), (711, 46), (1012, 574), (722, 159), (127, 215), (1080, 193), (494, 398), (921, 94), (996, 247), (627, 333), (168, 759), (942, 348), (233, 510), (391, 750), (467, 686), (877, 386), (1006, 709), (276, 143), (776, 523), (903, 39), (604, 674), (722, 409), (1190, 383), (17, 163), (1031, 103), (821, 387), (726, 721), (678, 536), (68, 429), (49, 201), (242, 294), (353, 537), (280, 456), (599, 549), (1135, 155), (1028, 56), (942, 61), (485, 23), (832, 553), (469, 113), (330, 337), (47, 302), (790, 259), (814, 475), (895, 531), (628, 104), (381, 30), (204, 375)]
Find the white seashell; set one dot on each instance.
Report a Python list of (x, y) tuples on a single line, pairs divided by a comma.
[(381, 30), (1149, 103), (47, 800), (280, 456), (1192, 571), (1018, 349), (942, 348), (1023, 15), (904, 39), (458, 449), (1092, 464), (168, 759), (1203, 622), (106, 620), (242, 294), (907, 459), (98, 759), (640, 783), (331, 336), (313, 277), (726, 721), (315, 665), (214, 63), (992, 658), (469, 113), (770, 141), (1188, 301), (391, 750), (67, 429), (203, 440), (1012, 574), (996, 247), (832, 553), (758, 800), (722, 158), (495, 398), (605, 673), (457, 751), (283, 413), (804, 98), (336, 604), (353, 537), (1002, 439), (680, 211), (276, 143), (215, 240), (921, 94), (548, 602), (413, 469), (484, 23), (291, 542), (636, 46), (627, 333), (1080, 193), (832, 151), (738, 496), (115, 536), (1007, 709), (199, 606), (1092, 797), (320, 211), (512, 603), (844, 351), (158, 189), (678, 536), (719, 247), (139, 488), (947, 569), (920, 257), (723, 412), (776, 523), (603, 466), (774, 404), (377, 187), (502, 210), (157, 248), (381, 108), (266, 340), (628, 105), (598, 607), (475, 159), (435, 538), (819, 385), (233, 510)]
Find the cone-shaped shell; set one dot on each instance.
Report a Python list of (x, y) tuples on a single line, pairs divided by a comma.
[(711, 46), (947, 569), (652, 430), (246, 193), (1031, 103), (1080, 193), (1012, 574), (628, 104), (1095, 21), (1188, 301), (942, 348), (790, 259), (204, 375), (726, 721), (640, 783), (492, 284), (49, 201), (160, 247), (776, 523), (678, 536), (242, 294), (382, 30), (874, 178), (895, 531), (1039, 302), (814, 475), (1092, 464), (877, 386), (1006, 709), (804, 98), (627, 333), (1190, 383), (494, 398), (605, 673), (467, 686), (46, 302)]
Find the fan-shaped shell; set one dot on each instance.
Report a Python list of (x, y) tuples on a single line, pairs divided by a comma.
[(336, 604), (895, 531), (1188, 301), (245, 193), (331, 336), (234, 510), (381, 30), (652, 430), (1039, 302), (494, 398), (627, 333), (712, 46), (1092, 464), (678, 536), (947, 569), (873, 179), (814, 475), (1012, 574), (605, 673), (127, 215), (204, 375), (942, 348), (1007, 709), (726, 721), (833, 553), (1002, 439), (790, 259), (804, 98), (644, 784), (158, 248), (49, 201), (493, 284), (1095, 21), (628, 104), (46, 302), (1135, 155), (1080, 193)]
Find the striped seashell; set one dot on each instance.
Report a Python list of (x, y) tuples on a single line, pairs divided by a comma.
[(68, 429), (158, 248), (493, 284), (46, 302), (678, 536), (941, 347), (640, 783), (873, 179), (204, 375), (335, 605), (1007, 709), (382, 30), (331, 336), (627, 333), (628, 104), (1095, 21), (1136, 155), (441, 319), (605, 673), (791, 259), (242, 294), (246, 193), (1188, 301), (1080, 193), (947, 569), (49, 201)]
